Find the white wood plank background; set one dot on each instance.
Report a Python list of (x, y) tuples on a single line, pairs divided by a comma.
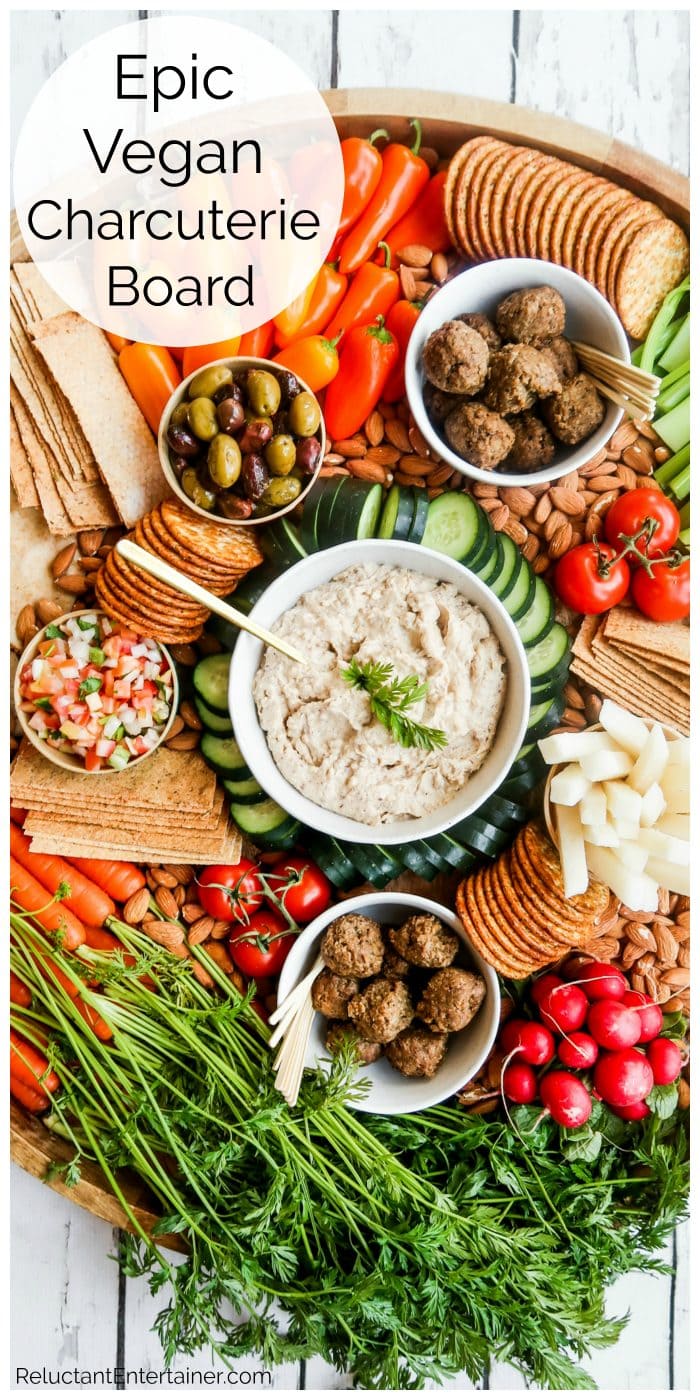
[(624, 72)]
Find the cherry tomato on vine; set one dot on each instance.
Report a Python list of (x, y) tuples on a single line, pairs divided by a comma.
[(260, 946), (635, 509), (590, 578), (663, 594), (302, 888), (231, 891)]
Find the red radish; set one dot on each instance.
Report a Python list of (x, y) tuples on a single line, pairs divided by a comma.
[(519, 1083), (566, 1098), (578, 1051), (509, 1036), (564, 1008), (665, 1059), (650, 1015), (529, 1041), (623, 1077), (614, 1026), (545, 984), (632, 1112), (602, 982)]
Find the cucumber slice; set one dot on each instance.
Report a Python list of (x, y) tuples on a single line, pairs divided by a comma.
[(397, 514), (321, 492), (281, 543), (355, 513), (371, 862), (245, 790), (453, 526), (438, 862), (332, 860), (522, 593), (421, 505), (481, 836), (492, 567), (224, 756), (210, 680), (261, 818), (485, 545), (543, 718), (337, 487), (503, 811), (415, 861), (212, 720), (534, 625), (450, 850), (284, 838), (506, 580), (551, 655)]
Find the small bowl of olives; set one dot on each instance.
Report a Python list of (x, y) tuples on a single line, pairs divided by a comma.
[(242, 440)]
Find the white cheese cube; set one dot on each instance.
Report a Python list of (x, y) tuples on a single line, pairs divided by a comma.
[(628, 730), (652, 761), (627, 831), (636, 891), (609, 763), (672, 877), (571, 851), (623, 801), (569, 785), (667, 847), (675, 824), (676, 778), (602, 835), (653, 804), (679, 751), (633, 857), (567, 748), (593, 807)]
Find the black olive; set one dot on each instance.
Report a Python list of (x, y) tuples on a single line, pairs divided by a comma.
[(308, 453), (255, 476), (182, 441)]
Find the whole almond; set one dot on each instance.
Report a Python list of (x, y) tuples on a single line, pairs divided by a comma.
[(63, 560), (169, 935), (568, 501), (518, 499), (166, 902), (592, 526), (369, 471), (72, 583), (47, 611), (640, 934), (136, 907), (414, 465), (415, 254), (530, 548), (396, 433), (627, 477), (327, 472), (438, 268), (666, 945), (176, 727), (423, 289), (543, 508), (573, 696), (553, 523), (482, 489), (191, 912), (184, 742), (91, 564), (623, 437), (184, 654), (164, 877), (189, 715), (516, 530), (540, 563), (183, 874), (200, 930), (683, 955), (676, 977), (221, 929), (560, 541), (500, 517), (603, 483), (202, 976), (683, 1093), (418, 442), (573, 719), (26, 625), (374, 428), (439, 476), (664, 900), (220, 955), (403, 479), (89, 541), (408, 283), (350, 447)]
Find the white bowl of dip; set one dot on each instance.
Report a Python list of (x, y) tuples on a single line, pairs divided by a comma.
[(389, 1091), (310, 574)]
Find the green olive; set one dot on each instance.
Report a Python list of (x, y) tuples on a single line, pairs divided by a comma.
[(202, 419), (180, 414), (281, 454), (304, 415), (224, 460), (263, 392), (279, 492), (197, 493), (209, 380)]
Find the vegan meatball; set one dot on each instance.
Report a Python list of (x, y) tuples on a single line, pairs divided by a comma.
[(353, 946), (562, 355), (451, 999), (456, 358), (531, 315), (424, 941), (338, 1033), (576, 412), (331, 993), (382, 1010), (417, 1053), (519, 374), (480, 436), (484, 326), (438, 404), (534, 446), (395, 965)]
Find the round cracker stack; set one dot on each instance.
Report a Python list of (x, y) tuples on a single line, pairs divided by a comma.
[(215, 556), (515, 912), (514, 201)]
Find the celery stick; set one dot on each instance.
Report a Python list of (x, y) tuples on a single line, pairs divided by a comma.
[(674, 427), (675, 464), (674, 393), (679, 349), (685, 516), (662, 320), (680, 486)]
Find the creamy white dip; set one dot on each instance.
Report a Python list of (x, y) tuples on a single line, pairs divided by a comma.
[(321, 732)]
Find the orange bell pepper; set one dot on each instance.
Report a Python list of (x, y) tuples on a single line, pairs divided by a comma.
[(425, 221), (152, 376), (117, 342), (400, 321), (258, 342), (289, 321), (314, 359), (404, 175), (372, 291), (328, 294), (196, 356)]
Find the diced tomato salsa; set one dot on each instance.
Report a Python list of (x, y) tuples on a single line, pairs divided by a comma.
[(97, 690)]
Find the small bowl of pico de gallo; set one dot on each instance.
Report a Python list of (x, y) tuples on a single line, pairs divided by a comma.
[(94, 696)]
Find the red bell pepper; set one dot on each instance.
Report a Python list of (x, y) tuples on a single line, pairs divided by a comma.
[(362, 163), (328, 294), (400, 321), (372, 291), (425, 221), (367, 357), (404, 175), (258, 343)]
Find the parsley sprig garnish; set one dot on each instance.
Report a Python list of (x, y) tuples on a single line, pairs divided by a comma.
[(389, 700)]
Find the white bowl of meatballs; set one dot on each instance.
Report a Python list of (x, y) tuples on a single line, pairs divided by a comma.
[(493, 380), (404, 987)]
